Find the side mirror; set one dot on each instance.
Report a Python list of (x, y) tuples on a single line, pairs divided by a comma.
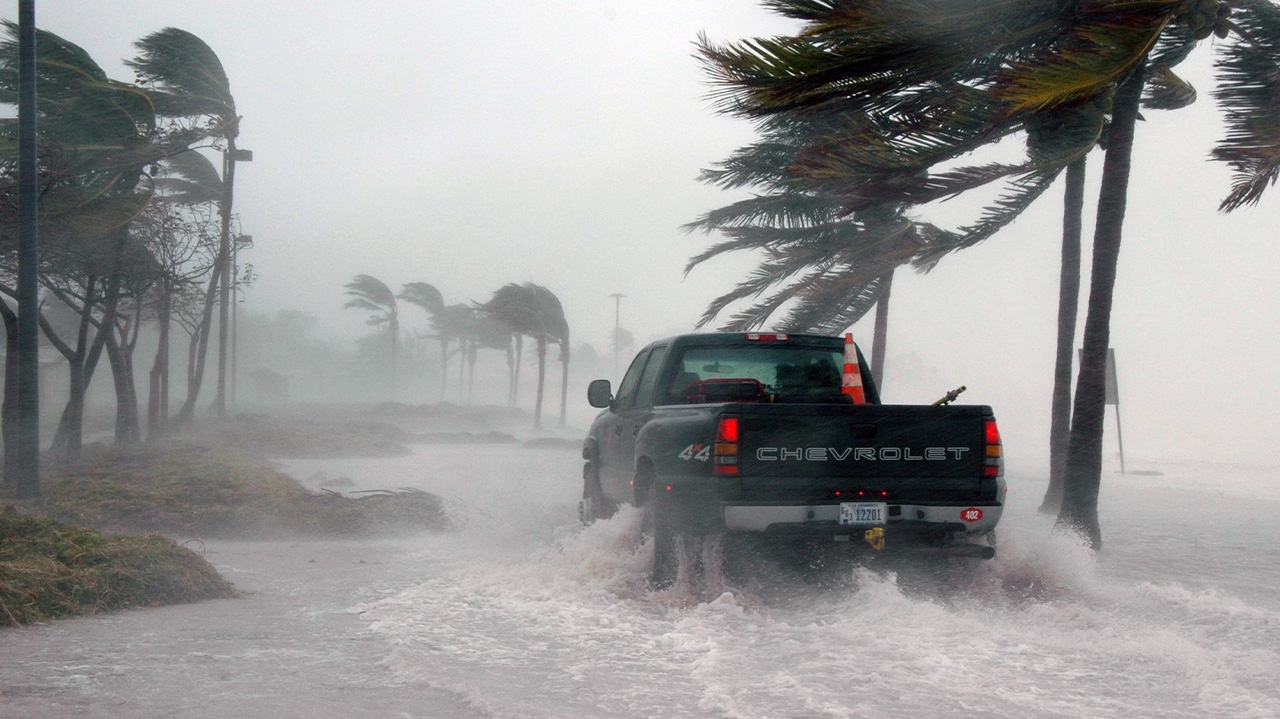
[(599, 394)]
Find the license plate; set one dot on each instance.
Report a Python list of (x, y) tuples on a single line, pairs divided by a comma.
[(862, 512)]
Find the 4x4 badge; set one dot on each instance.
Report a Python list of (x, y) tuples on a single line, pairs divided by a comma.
[(700, 452)]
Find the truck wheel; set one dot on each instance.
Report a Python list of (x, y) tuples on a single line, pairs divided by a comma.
[(593, 505), (666, 563)]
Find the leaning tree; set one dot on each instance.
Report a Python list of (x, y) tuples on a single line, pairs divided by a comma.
[(372, 295)]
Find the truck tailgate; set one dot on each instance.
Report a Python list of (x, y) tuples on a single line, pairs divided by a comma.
[(898, 442)]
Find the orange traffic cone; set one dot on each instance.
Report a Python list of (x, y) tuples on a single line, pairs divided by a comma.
[(852, 384)]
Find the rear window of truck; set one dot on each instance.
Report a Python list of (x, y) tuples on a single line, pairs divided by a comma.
[(780, 370)]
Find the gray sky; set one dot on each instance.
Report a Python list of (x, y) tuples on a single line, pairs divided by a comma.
[(469, 145)]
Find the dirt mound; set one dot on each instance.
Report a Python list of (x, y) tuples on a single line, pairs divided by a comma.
[(49, 569), (186, 489)]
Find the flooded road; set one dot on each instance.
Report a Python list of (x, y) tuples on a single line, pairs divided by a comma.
[(521, 613)]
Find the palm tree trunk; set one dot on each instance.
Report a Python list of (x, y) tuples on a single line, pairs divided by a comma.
[(881, 333), (515, 385), (542, 377), (511, 372), (1084, 455), (444, 365), (471, 371), (1068, 304), (394, 326), (564, 380)]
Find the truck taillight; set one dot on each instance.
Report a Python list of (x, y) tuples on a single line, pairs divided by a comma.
[(758, 337), (725, 452), (994, 452)]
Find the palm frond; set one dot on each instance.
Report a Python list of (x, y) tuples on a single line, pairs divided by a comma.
[(423, 295), (1167, 91), (1248, 91), (1008, 207), (187, 75), (370, 293), (1091, 54), (189, 178)]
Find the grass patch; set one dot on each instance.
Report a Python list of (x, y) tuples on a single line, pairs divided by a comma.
[(49, 569), (185, 489)]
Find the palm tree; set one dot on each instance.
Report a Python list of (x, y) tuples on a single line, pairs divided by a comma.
[(1002, 68), (186, 79), (534, 311), (512, 304), (430, 299), (372, 294)]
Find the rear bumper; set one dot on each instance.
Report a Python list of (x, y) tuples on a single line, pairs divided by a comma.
[(824, 518)]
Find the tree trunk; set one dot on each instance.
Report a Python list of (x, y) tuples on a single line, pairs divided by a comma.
[(564, 380), (511, 371), (444, 366), (158, 386), (199, 349), (515, 384), (471, 371), (1068, 304), (120, 380), (81, 362), (542, 376), (10, 417), (1084, 455), (881, 334), (120, 356), (394, 326)]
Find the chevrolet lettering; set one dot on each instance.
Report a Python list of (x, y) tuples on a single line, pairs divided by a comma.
[(889, 454), (784, 437)]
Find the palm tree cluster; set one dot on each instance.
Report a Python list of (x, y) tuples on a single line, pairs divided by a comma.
[(127, 214), (515, 311), (865, 112)]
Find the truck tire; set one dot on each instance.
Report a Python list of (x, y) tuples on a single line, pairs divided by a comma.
[(666, 561), (593, 505)]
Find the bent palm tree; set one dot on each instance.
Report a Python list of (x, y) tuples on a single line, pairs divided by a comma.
[(186, 80), (430, 299), (371, 294)]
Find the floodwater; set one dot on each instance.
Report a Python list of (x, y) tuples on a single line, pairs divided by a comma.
[(522, 613)]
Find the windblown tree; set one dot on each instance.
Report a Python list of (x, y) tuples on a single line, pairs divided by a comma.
[(180, 228), (189, 86), (917, 85), (96, 140), (372, 295), (533, 311), (430, 299)]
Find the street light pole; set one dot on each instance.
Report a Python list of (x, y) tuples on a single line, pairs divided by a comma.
[(617, 316), (22, 445), (230, 157)]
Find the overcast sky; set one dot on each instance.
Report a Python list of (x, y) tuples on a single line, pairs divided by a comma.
[(473, 144)]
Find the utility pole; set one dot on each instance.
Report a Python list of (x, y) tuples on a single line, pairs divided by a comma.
[(235, 305), (617, 316), (22, 451), (230, 157)]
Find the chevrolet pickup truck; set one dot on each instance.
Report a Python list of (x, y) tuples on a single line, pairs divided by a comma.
[(752, 433)]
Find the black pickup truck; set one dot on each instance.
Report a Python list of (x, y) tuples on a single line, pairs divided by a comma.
[(752, 433)]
